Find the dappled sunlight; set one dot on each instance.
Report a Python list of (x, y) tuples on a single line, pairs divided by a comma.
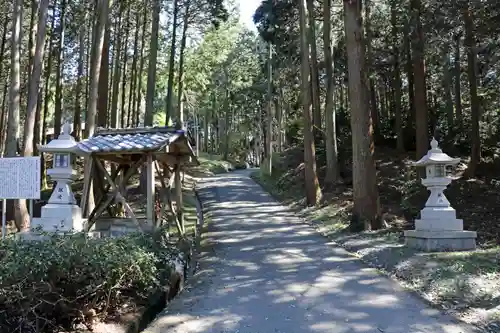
[(276, 274), (250, 266), (192, 324)]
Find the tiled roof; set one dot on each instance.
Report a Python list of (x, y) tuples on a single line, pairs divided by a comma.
[(129, 140)]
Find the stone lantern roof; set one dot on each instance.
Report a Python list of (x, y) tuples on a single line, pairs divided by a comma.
[(435, 156), (64, 143)]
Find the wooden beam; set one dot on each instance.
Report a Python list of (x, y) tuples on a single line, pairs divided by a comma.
[(116, 189), (120, 158), (179, 199), (150, 189), (87, 179), (101, 206), (163, 196), (103, 202)]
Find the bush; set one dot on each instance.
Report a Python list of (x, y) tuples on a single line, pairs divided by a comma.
[(412, 194), (52, 285)]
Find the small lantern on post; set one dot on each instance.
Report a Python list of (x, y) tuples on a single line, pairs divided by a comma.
[(438, 229), (61, 212)]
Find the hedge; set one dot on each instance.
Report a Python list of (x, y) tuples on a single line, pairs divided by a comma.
[(70, 280)]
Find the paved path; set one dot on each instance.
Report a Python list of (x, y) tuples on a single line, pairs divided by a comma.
[(267, 272)]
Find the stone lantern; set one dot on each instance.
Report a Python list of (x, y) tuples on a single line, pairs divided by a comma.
[(61, 213), (438, 229)]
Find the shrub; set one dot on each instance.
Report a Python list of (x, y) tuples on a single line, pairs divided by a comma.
[(412, 193), (66, 280)]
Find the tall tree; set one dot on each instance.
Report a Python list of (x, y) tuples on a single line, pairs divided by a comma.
[(59, 71), (470, 43), (313, 191), (15, 82), (95, 68), (180, 93), (315, 92), (33, 94), (36, 73), (366, 211), (421, 118), (77, 117), (14, 101), (332, 169), (396, 77), (170, 85), (153, 52), (117, 70)]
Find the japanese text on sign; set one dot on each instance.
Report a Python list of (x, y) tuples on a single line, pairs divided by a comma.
[(20, 178)]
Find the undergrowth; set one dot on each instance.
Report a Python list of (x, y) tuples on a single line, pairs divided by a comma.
[(67, 280)]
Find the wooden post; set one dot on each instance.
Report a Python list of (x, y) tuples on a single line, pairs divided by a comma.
[(178, 192), (150, 190), (87, 179)]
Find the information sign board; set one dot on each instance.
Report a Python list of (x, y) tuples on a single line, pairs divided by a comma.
[(20, 178)]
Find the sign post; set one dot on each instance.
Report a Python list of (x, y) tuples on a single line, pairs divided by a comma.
[(19, 179)]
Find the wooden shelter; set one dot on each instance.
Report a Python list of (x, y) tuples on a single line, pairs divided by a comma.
[(162, 149)]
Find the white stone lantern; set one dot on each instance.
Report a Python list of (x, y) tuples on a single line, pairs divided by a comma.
[(438, 229), (61, 213)]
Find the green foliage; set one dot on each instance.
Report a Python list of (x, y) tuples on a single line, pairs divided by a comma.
[(214, 163), (411, 192), (50, 285)]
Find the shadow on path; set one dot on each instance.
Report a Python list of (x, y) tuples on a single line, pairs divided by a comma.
[(268, 272)]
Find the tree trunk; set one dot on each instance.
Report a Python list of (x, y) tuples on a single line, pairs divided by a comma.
[(279, 119), (37, 134), (180, 94), (3, 109), (32, 37), (396, 83), (369, 67), (447, 88), (131, 92), (421, 118), (77, 118), (312, 188), (34, 86), (15, 82), (102, 99), (470, 43), (59, 69), (125, 60), (95, 68), (117, 71), (153, 51), (269, 121), (46, 99), (14, 105), (409, 75), (332, 168), (458, 89), (316, 104), (4, 122), (366, 211), (141, 69), (171, 65), (22, 215)]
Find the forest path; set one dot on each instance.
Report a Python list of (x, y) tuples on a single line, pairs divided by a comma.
[(266, 271)]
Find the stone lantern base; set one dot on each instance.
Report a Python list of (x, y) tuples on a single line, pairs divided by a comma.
[(59, 218), (441, 240), (438, 229)]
